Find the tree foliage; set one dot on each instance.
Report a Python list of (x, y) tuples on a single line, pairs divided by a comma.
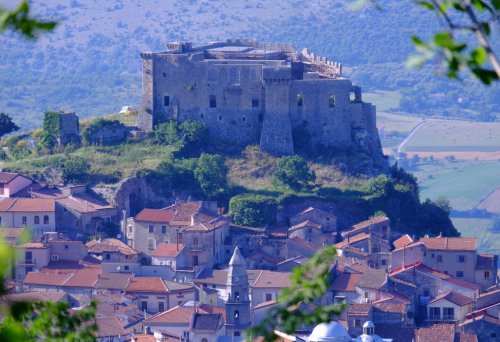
[(253, 210), (309, 284), (7, 125), (292, 172), (50, 130), (189, 137), (211, 173), (20, 20), (75, 169)]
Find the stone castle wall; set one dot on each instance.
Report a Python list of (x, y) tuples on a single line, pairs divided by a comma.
[(252, 100)]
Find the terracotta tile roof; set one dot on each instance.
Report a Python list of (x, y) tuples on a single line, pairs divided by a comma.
[(11, 233), (353, 239), (313, 247), (82, 205), (390, 307), (450, 243), (184, 211), (36, 296), (86, 277), (481, 316), (110, 245), (403, 241), (48, 279), (265, 304), (435, 333), (175, 286), (435, 273), (147, 284), (489, 298), (390, 296), (355, 250), (465, 337), (200, 321), (27, 205), (356, 309), (155, 215), (346, 282), (397, 332), (109, 326), (143, 338), (7, 177), (261, 255), (370, 222), (182, 314), (453, 297), (486, 262), (270, 279), (306, 223), (167, 250), (311, 209), (113, 281)]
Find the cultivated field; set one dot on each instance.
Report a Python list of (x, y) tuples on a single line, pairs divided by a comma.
[(492, 202), (488, 238)]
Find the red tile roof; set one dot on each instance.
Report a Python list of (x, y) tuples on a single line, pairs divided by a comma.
[(167, 250), (372, 221), (86, 204), (270, 279), (183, 314), (7, 177), (486, 262), (403, 241), (311, 209), (453, 297), (48, 279), (147, 284), (390, 307), (356, 309), (155, 215), (109, 326), (27, 205), (353, 239), (346, 282), (306, 223), (265, 304), (435, 333), (450, 243), (110, 245)]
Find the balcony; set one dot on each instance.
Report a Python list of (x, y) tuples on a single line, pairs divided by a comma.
[(27, 262), (196, 248)]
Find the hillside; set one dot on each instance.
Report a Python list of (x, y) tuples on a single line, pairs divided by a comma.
[(91, 62)]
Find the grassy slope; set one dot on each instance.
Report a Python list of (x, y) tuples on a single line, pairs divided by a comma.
[(488, 240)]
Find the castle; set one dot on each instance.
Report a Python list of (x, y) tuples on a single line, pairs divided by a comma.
[(246, 92)]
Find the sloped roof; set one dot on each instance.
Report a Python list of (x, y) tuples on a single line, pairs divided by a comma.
[(453, 297), (486, 262), (403, 241), (86, 204), (200, 321), (48, 279), (306, 223), (113, 281), (367, 223), (353, 239), (167, 250), (435, 333), (147, 284), (27, 205), (390, 307), (487, 299), (265, 304), (110, 245), (356, 309), (109, 326), (182, 314), (155, 215), (311, 209), (36, 296), (7, 177), (450, 243), (270, 279), (346, 282)]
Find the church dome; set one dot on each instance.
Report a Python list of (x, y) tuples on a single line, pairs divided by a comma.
[(329, 332)]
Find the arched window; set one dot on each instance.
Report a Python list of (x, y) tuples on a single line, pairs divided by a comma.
[(236, 316), (237, 295), (300, 100), (37, 219), (204, 340), (331, 101), (46, 219)]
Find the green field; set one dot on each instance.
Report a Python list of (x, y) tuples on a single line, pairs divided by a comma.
[(454, 135), (464, 186), (488, 240)]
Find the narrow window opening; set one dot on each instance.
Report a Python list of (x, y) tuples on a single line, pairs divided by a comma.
[(331, 101), (255, 103), (213, 101), (300, 100), (166, 101)]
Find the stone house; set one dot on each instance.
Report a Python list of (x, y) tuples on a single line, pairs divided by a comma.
[(11, 183), (378, 249), (206, 327), (309, 231), (196, 225), (37, 214), (115, 255), (110, 329), (379, 226), (157, 295), (449, 307), (486, 327), (169, 254), (112, 283), (326, 221), (357, 316), (31, 257)]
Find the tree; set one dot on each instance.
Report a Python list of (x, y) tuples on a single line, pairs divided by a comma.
[(167, 134), (465, 43), (50, 132), (309, 284), (444, 203), (7, 125), (292, 172), (211, 173), (75, 169), (253, 210), (19, 20)]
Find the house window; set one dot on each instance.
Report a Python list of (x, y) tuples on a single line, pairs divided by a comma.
[(448, 313), (151, 243), (166, 101), (486, 274), (339, 299), (357, 323), (24, 220), (220, 117), (383, 262), (244, 118), (144, 306), (37, 219), (331, 101), (427, 292), (434, 313), (1, 189), (255, 103), (300, 100), (269, 297), (201, 115), (66, 246), (28, 256), (108, 256), (460, 274), (161, 306), (440, 258), (236, 316), (461, 258), (151, 228), (213, 101), (236, 295), (46, 219), (126, 268), (163, 229)]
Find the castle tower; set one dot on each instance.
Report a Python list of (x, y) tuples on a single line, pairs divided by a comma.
[(238, 303), (276, 137)]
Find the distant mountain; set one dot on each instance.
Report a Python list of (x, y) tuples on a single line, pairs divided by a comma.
[(91, 62)]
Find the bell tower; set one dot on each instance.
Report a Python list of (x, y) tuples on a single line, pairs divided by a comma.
[(238, 303)]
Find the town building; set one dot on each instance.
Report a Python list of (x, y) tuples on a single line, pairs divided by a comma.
[(37, 214), (11, 183)]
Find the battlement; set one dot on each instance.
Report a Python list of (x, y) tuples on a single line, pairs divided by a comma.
[(320, 64)]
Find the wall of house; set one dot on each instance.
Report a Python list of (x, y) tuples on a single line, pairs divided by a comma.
[(448, 262), (401, 258), (40, 258), (258, 295), (485, 278), (328, 222), (152, 300), (67, 251)]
